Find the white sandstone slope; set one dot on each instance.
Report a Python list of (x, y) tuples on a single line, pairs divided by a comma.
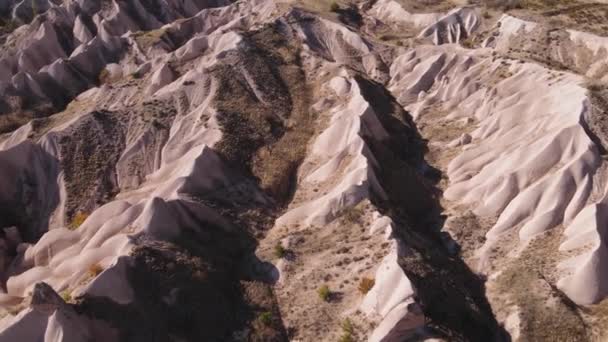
[(210, 170), (455, 26), (528, 160), (338, 177)]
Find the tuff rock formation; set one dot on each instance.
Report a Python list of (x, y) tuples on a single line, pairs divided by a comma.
[(274, 170)]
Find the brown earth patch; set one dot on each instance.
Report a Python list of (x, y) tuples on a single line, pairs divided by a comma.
[(263, 100)]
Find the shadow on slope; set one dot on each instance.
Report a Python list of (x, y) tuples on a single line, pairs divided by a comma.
[(450, 294), (191, 289), (208, 285)]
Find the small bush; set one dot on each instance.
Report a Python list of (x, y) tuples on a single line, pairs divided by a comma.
[(78, 220), (94, 270), (279, 251), (353, 215), (366, 284), (347, 326), (348, 331), (346, 338), (324, 293), (103, 77), (334, 7), (67, 296), (135, 75), (265, 317)]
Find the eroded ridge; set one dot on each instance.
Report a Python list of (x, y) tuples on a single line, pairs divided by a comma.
[(389, 170)]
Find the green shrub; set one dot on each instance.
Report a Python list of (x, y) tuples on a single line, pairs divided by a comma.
[(348, 331), (347, 326), (334, 7), (67, 296), (279, 250), (346, 338), (265, 317), (324, 293), (104, 76)]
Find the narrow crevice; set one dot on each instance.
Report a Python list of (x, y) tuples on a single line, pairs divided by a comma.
[(451, 295)]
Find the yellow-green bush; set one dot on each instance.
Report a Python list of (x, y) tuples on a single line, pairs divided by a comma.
[(78, 220), (324, 293)]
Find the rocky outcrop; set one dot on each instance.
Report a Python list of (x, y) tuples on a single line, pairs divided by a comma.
[(49, 318)]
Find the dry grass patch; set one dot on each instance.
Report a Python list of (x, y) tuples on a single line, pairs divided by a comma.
[(66, 295), (147, 39), (545, 313), (94, 270), (365, 285), (78, 220), (348, 331), (353, 215), (264, 105), (506, 5), (427, 6)]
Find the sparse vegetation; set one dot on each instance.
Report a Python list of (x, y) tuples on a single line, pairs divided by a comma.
[(352, 215), (366, 284), (67, 296), (94, 270), (104, 76), (526, 284), (348, 331), (147, 39), (7, 26), (595, 85), (346, 338), (503, 5), (78, 220), (279, 251), (135, 75), (266, 318), (334, 7), (324, 293), (268, 145)]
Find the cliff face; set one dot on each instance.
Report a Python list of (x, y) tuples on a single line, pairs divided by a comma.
[(209, 170)]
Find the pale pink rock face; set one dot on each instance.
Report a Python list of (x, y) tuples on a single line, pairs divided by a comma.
[(199, 170)]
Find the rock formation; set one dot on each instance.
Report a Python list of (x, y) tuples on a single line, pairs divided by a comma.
[(265, 170)]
